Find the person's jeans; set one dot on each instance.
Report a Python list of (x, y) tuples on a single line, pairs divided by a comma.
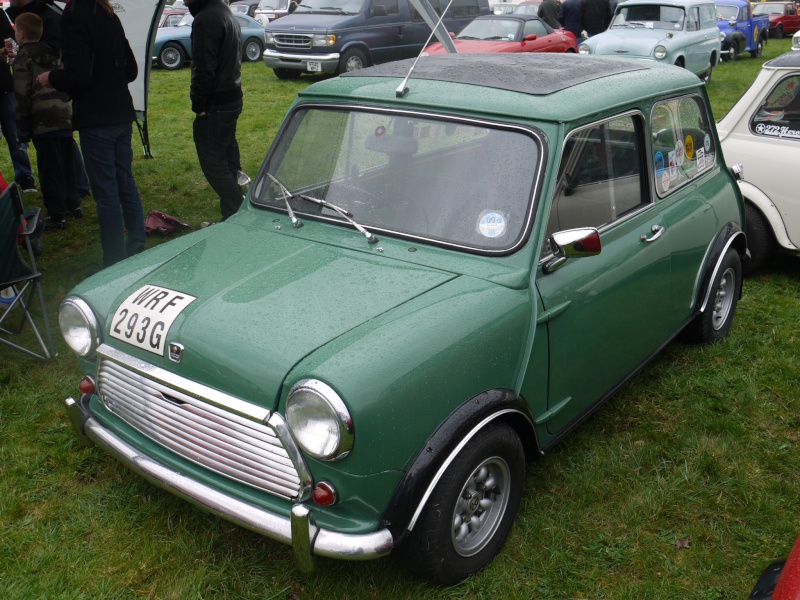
[(218, 152), (17, 150), (108, 157)]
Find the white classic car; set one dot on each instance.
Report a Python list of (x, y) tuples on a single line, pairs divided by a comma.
[(762, 133)]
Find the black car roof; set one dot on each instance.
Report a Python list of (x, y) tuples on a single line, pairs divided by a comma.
[(788, 60)]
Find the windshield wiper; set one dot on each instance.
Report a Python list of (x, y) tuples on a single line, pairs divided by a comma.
[(346, 214), (336, 8), (286, 195)]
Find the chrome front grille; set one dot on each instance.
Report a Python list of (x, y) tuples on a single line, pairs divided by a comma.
[(237, 447), (298, 41)]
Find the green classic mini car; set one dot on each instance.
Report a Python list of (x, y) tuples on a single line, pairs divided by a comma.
[(433, 280)]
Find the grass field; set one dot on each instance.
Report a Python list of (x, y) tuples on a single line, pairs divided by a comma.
[(683, 486)]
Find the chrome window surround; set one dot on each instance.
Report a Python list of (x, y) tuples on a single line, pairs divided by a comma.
[(265, 455), (537, 136)]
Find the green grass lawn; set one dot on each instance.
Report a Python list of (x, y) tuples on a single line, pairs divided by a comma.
[(685, 485)]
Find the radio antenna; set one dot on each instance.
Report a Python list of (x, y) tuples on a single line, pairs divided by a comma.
[(402, 90)]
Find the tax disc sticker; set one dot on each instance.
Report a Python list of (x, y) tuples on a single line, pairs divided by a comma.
[(491, 224)]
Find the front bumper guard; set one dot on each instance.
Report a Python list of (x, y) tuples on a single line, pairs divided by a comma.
[(299, 531), (275, 59)]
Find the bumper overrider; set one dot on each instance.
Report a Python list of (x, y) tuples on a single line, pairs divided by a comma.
[(300, 531)]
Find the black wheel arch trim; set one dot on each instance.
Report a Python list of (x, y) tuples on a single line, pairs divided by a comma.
[(444, 444), (731, 235)]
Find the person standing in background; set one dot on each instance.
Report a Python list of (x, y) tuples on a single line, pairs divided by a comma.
[(548, 12), (595, 16), (23, 173), (216, 95), (98, 65), (569, 15), (50, 14)]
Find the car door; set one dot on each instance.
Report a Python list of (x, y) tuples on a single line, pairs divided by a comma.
[(699, 42), (604, 314)]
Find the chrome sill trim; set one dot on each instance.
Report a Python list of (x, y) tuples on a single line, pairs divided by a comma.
[(195, 390), (324, 542)]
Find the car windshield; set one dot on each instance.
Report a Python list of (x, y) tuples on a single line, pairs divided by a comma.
[(502, 9), (490, 29), (455, 183), (727, 13), (273, 4), (650, 16), (527, 9), (768, 8), (350, 7)]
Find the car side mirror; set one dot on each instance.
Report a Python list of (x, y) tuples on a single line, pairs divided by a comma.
[(530, 38), (572, 243), (737, 171)]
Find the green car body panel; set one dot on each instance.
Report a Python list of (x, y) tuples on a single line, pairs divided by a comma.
[(409, 331)]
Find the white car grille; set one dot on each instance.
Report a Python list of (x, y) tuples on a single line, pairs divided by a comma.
[(239, 448)]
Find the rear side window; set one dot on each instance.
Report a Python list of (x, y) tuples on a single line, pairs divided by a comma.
[(779, 114), (461, 9), (683, 144), (708, 16)]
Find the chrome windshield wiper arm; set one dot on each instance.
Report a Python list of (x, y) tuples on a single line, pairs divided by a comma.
[(286, 195), (347, 215)]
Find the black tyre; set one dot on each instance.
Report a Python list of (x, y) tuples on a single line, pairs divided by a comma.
[(756, 52), (712, 325), (732, 54), (778, 34), (253, 50), (287, 73), (760, 242), (352, 60), (172, 57), (470, 512)]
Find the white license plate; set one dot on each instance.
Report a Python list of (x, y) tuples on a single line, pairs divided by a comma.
[(314, 66), (144, 318)]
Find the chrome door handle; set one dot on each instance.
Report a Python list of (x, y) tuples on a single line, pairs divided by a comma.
[(657, 230)]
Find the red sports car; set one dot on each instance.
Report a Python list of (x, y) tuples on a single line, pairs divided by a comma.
[(509, 33)]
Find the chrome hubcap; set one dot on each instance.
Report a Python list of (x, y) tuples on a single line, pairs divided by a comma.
[(481, 506)]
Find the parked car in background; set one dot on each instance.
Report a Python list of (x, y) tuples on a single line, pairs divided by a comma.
[(269, 10), (783, 17), (675, 32), (742, 30), (509, 33), (173, 45), (246, 7), (503, 9), (796, 41), (170, 17), (762, 133), (336, 36), (781, 579), (435, 277), (529, 7)]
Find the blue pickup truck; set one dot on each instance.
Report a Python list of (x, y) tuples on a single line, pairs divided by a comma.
[(743, 31)]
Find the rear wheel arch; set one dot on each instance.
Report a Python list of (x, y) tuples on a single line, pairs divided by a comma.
[(731, 236)]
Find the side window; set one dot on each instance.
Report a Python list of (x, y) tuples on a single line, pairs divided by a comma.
[(708, 16), (693, 20), (461, 9), (534, 27), (790, 10), (744, 14), (779, 114), (602, 177), (382, 8), (683, 144), (415, 16)]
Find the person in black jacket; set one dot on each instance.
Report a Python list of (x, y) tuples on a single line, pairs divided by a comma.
[(23, 173), (595, 16), (216, 96), (98, 65)]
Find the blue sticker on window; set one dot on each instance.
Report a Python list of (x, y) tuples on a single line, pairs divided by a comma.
[(660, 163)]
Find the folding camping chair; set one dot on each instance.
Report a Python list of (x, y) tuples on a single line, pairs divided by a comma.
[(18, 275)]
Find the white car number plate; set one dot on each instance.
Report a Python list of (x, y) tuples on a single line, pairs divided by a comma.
[(144, 318), (315, 66)]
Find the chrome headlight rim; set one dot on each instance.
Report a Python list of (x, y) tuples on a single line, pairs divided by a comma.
[(338, 409), (584, 49), (660, 52), (90, 322)]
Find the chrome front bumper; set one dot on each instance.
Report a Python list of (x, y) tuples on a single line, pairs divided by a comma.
[(299, 531), (285, 60)]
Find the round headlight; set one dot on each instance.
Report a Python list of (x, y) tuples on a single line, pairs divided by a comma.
[(79, 326), (660, 52), (319, 420), (584, 49)]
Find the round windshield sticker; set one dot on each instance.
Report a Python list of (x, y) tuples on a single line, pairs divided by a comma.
[(679, 153), (707, 143), (688, 144), (491, 224), (660, 163)]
